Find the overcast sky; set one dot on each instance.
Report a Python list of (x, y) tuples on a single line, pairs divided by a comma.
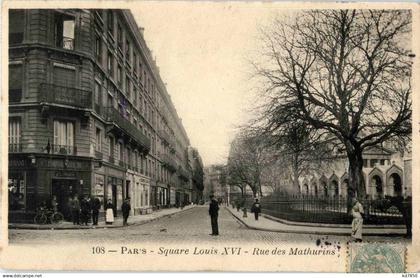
[(202, 51)]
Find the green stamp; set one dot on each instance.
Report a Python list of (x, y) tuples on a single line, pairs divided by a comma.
[(376, 257)]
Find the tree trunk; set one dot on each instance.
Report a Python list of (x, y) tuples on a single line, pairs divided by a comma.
[(356, 178)]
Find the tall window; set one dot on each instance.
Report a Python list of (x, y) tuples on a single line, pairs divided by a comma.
[(98, 143), (63, 137), (14, 135), (119, 37), (111, 147), (110, 63), (98, 48), (110, 21), (127, 51), (64, 77), (121, 152), (64, 31), (128, 87), (119, 75), (97, 96), (16, 26), (15, 82)]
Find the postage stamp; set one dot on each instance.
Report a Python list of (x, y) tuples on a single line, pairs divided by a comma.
[(376, 257)]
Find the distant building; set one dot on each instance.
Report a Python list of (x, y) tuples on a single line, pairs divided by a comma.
[(214, 182), (385, 172)]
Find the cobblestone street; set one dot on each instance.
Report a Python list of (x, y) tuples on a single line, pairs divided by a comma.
[(192, 226)]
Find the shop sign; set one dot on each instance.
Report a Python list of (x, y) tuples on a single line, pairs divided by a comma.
[(65, 174), (17, 163)]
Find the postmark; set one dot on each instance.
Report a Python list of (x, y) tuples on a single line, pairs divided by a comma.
[(376, 257)]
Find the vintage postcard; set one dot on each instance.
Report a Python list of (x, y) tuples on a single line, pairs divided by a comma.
[(210, 136)]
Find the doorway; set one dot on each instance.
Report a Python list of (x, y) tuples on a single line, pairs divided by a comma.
[(63, 190)]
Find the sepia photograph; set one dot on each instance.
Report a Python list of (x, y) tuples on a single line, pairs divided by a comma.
[(210, 134)]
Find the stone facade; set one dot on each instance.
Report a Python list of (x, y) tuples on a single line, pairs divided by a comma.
[(89, 114)]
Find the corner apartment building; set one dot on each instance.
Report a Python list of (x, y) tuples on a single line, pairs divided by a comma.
[(89, 114)]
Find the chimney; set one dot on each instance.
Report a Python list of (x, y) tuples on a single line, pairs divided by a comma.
[(141, 29)]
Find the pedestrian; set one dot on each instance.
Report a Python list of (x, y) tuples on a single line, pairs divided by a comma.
[(85, 207), (75, 210), (214, 213), (256, 209), (109, 216), (95, 206), (356, 226), (126, 207)]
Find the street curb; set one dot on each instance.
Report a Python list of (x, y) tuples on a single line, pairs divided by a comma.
[(12, 227), (324, 225), (309, 232)]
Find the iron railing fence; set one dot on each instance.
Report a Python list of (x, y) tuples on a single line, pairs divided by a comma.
[(334, 210)]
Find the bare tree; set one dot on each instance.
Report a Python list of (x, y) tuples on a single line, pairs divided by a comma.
[(344, 72), (247, 159)]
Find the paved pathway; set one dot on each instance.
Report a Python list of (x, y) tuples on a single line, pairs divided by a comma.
[(272, 224), (188, 226)]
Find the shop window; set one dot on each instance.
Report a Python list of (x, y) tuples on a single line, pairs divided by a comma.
[(15, 135), (16, 26), (63, 137), (15, 82), (64, 31), (17, 191)]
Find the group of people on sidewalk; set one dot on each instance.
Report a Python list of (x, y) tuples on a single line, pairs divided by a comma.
[(86, 208)]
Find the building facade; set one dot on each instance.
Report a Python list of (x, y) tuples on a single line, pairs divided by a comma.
[(385, 172), (215, 182), (89, 114)]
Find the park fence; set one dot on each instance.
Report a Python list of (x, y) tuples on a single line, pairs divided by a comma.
[(334, 210)]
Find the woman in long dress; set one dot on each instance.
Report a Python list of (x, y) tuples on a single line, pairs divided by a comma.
[(109, 216), (357, 224)]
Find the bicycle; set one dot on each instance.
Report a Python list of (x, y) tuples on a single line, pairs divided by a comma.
[(44, 216)]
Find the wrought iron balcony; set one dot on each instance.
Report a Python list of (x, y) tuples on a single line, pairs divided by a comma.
[(182, 173), (114, 116), (166, 137), (56, 94), (169, 162), (64, 149), (15, 95), (99, 155), (15, 148)]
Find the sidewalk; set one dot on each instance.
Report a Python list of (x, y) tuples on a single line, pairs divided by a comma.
[(132, 220), (273, 224)]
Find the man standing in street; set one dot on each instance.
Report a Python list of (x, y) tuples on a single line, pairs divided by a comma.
[(85, 206), (126, 207), (214, 213), (256, 209), (75, 210), (96, 206)]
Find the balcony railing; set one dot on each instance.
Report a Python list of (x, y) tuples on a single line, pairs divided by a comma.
[(166, 137), (99, 155), (169, 162), (183, 173), (113, 115), (64, 149), (15, 148), (15, 95), (68, 43), (52, 93)]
